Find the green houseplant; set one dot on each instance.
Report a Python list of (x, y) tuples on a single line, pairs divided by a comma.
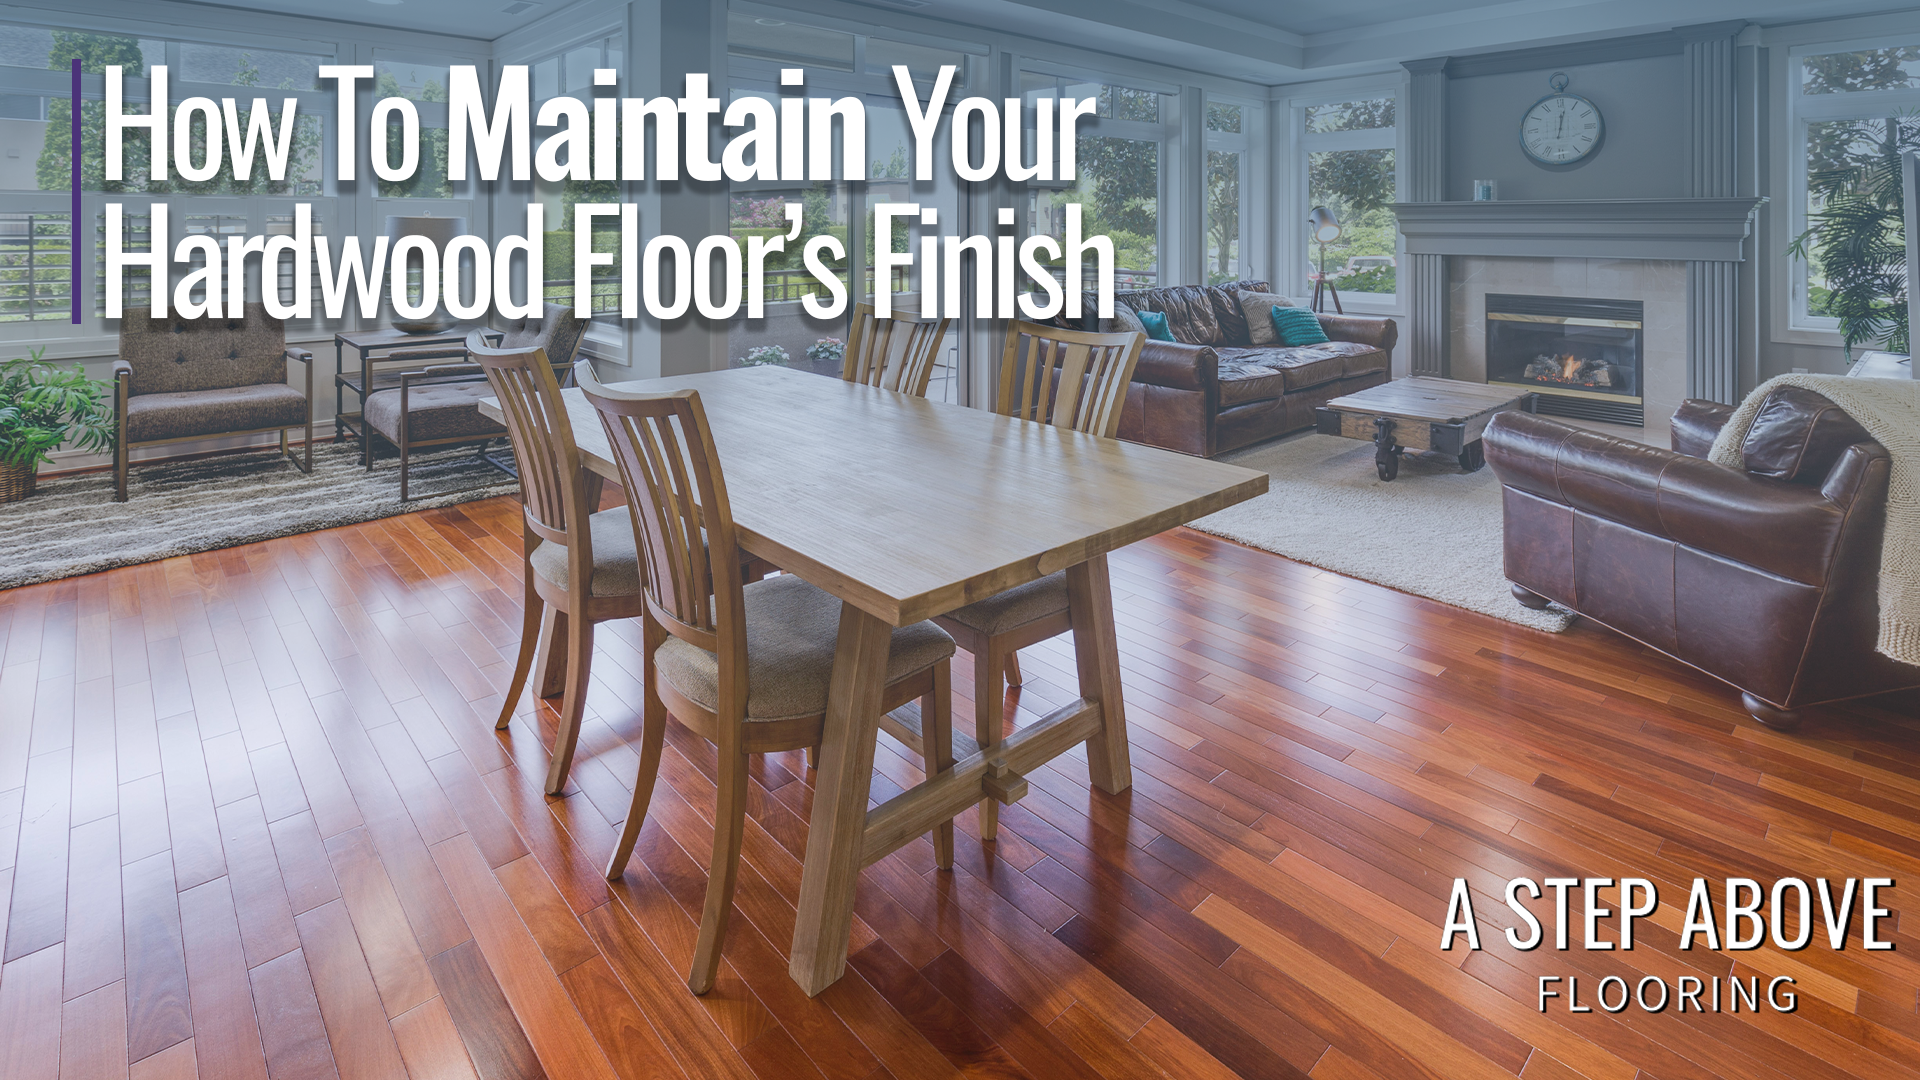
[(1856, 238), (42, 407)]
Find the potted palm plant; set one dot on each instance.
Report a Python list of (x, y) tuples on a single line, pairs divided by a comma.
[(42, 407), (1857, 236)]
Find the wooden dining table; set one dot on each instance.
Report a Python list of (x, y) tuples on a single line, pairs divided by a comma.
[(905, 509)]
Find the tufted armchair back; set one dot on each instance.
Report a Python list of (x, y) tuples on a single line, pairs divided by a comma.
[(174, 355), (558, 331)]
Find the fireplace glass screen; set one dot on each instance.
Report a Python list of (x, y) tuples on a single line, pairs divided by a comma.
[(1581, 356)]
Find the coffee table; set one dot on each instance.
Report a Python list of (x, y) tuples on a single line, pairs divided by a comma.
[(1438, 416)]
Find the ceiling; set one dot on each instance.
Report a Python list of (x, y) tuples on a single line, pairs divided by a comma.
[(1264, 41)]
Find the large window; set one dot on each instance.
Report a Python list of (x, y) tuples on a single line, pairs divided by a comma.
[(1347, 155), (1228, 185), (1119, 155), (569, 73), (1855, 111), (36, 168)]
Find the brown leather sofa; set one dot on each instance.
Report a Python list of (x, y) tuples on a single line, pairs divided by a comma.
[(1763, 577), (1212, 390)]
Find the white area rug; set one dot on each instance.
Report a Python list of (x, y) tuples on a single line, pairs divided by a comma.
[(1433, 532)]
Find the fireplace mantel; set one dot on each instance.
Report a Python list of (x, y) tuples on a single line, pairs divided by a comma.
[(1695, 230)]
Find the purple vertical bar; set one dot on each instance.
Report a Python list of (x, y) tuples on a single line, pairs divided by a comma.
[(73, 252)]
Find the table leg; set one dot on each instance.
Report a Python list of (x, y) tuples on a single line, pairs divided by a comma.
[(1097, 653), (824, 920)]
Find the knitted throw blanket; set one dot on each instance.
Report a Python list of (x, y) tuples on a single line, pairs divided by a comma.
[(1890, 411)]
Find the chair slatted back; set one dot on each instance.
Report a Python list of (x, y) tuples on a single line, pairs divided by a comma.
[(1067, 378), (897, 353), (689, 550), (544, 452)]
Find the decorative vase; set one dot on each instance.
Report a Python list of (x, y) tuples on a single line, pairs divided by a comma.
[(16, 481)]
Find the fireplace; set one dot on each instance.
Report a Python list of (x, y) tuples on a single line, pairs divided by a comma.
[(1581, 356)]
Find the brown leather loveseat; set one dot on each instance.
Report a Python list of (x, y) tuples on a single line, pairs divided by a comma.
[(1763, 577), (1211, 390)]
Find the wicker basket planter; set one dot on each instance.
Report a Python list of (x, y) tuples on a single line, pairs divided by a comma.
[(16, 481)]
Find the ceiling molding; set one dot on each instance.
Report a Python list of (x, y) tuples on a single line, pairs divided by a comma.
[(1572, 54)]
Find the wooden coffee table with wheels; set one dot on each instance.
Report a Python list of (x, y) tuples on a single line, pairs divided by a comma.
[(1439, 416)]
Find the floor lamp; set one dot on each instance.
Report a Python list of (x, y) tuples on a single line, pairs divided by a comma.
[(1325, 231)]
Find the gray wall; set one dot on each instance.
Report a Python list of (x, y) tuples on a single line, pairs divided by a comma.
[(1646, 129)]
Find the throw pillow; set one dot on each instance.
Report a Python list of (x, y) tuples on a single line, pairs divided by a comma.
[(1155, 323), (1256, 305), (1297, 326), (1124, 321)]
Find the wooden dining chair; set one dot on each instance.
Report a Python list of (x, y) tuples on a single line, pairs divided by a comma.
[(746, 666), (1069, 379), (897, 353), (580, 567)]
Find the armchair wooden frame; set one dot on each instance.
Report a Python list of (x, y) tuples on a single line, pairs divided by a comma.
[(123, 448), (1071, 379), (695, 592), (896, 353), (557, 496)]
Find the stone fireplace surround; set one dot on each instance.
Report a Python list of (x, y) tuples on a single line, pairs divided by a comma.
[(1679, 257), (1659, 284)]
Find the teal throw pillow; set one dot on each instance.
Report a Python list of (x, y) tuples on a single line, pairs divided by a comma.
[(1156, 324), (1297, 326)]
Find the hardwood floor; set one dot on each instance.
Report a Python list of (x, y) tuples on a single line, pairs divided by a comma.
[(254, 821)]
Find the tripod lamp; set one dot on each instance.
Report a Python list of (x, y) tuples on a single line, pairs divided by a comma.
[(1325, 230)]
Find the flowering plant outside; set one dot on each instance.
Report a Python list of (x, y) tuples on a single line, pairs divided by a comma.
[(761, 355), (827, 349)]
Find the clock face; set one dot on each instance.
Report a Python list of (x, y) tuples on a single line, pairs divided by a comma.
[(1561, 129)]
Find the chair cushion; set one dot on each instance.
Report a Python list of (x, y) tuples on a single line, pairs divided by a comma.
[(616, 559), (792, 628), (1016, 607), (1259, 374), (174, 355), (1798, 436), (155, 417), (437, 411)]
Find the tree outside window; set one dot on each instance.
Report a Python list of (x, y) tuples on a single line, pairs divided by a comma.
[(1358, 184)]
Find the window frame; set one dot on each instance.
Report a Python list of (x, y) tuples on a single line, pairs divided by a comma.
[(1292, 191), (1800, 110), (63, 339)]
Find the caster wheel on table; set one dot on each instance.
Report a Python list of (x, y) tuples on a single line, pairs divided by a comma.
[(1387, 464)]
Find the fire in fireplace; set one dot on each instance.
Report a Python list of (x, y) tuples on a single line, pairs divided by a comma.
[(1581, 356)]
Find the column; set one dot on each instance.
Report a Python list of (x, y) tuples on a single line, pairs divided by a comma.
[(671, 39), (1423, 278), (1712, 156)]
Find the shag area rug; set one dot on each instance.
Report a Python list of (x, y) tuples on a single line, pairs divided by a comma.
[(71, 525), (1433, 532)]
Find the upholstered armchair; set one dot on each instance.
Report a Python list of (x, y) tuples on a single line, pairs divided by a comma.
[(184, 379), (1764, 577), (439, 405)]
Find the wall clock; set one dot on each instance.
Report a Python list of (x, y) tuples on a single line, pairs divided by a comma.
[(1561, 128)]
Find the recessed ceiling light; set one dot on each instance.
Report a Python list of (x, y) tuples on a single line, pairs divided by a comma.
[(385, 3), (769, 22)]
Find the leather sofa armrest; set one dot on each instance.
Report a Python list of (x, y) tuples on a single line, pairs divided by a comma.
[(1695, 425), (1382, 334), (1789, 530), (1178, 366)]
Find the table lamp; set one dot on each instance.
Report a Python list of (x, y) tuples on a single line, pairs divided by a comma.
[(1326, 229), (441, 231)]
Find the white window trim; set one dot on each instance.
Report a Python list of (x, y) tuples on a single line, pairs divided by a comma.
[(1249, 142), (1290, 180), (1790, 320)]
